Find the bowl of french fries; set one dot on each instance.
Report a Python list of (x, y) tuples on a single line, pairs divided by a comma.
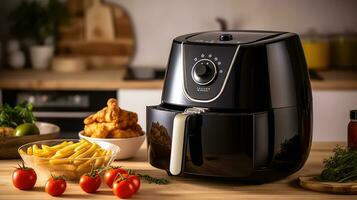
[(69, 158)]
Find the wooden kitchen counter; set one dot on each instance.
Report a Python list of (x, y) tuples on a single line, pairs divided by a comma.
[(113, 80), (185, 187), (87, 80)]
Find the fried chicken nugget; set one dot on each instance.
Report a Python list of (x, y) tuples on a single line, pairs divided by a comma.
[(134, 131), (107, 114), (127, 119), (99, 130), (112, 121)]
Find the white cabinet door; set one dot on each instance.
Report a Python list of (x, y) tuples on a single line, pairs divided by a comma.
[(136, 100)]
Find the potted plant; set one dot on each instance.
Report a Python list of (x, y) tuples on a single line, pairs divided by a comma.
[(37, 21)]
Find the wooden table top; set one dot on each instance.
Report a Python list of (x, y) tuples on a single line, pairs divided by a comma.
[(185, 187), (113, 80), (87, 80)]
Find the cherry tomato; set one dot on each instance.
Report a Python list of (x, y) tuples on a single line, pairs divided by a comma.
[(55, 186), (111, 174), (24, 178), (135, 180), (123, 188), (90, 182)]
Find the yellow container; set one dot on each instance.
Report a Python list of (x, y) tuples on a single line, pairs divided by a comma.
[(317, 54), (344, 51)]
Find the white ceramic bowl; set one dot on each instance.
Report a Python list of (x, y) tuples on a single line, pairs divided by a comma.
[(128, 146)]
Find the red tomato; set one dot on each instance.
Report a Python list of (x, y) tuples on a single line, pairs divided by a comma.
[(135, 180), (55, 186), (90, 183), (24, 178), (123, 188), (111, 174)]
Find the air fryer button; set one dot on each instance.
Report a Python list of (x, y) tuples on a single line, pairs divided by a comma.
[(225, 37), (204, 71)]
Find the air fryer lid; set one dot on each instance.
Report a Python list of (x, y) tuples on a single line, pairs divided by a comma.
[(236, 37)]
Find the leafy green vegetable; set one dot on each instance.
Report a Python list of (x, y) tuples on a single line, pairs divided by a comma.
[(340, 167), (12, 117)]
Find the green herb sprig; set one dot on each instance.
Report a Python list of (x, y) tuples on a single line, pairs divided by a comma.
[(340, 167), (12, 117), (150, 179)]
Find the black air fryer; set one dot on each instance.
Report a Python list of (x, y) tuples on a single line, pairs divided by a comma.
[(235, 104)]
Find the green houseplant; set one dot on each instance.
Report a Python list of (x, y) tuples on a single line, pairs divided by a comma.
[(38, 21)]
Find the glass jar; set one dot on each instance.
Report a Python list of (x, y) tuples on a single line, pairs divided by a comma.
[(343, 48), (352, 130), (317, 51)]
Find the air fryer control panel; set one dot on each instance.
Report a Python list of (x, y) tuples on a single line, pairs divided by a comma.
[(206, 69)]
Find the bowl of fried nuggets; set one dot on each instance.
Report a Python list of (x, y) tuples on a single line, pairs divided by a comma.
[(117, 126), (69, 158)]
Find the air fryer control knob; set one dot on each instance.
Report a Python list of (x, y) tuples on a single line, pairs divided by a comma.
[(204, 72)]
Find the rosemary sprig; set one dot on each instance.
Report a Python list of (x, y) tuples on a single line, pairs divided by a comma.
[(150, 179), (340, 167)]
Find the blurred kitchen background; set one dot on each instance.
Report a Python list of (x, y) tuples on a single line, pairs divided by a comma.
[(68, 57)]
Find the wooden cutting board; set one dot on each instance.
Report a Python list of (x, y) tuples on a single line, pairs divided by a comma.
[(99, 32), (310, 183), (99, 25)]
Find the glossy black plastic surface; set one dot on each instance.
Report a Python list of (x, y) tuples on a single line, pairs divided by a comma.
[(258, 124), (257, 147), (231, 37), (269, 73)]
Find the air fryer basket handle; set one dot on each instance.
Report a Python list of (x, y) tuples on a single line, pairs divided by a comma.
[(181, 127), (178, 145)]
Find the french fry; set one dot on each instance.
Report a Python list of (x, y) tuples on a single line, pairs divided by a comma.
[(66, 167), (35, 150), (88, 164), (107, 156), (79, 152), (59, 146), (86, 154), (99, 161), (89, 152), (62, 155), (46, 153), (68, 149), (22, 151), (84, 145), (59, 161), (45, 147), (29, 151)]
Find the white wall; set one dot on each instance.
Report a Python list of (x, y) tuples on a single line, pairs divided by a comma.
[(157, 22), (137, 100), (331, 114)]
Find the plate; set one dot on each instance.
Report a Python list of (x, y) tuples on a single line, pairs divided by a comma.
[(9, 145), (310, 182)]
